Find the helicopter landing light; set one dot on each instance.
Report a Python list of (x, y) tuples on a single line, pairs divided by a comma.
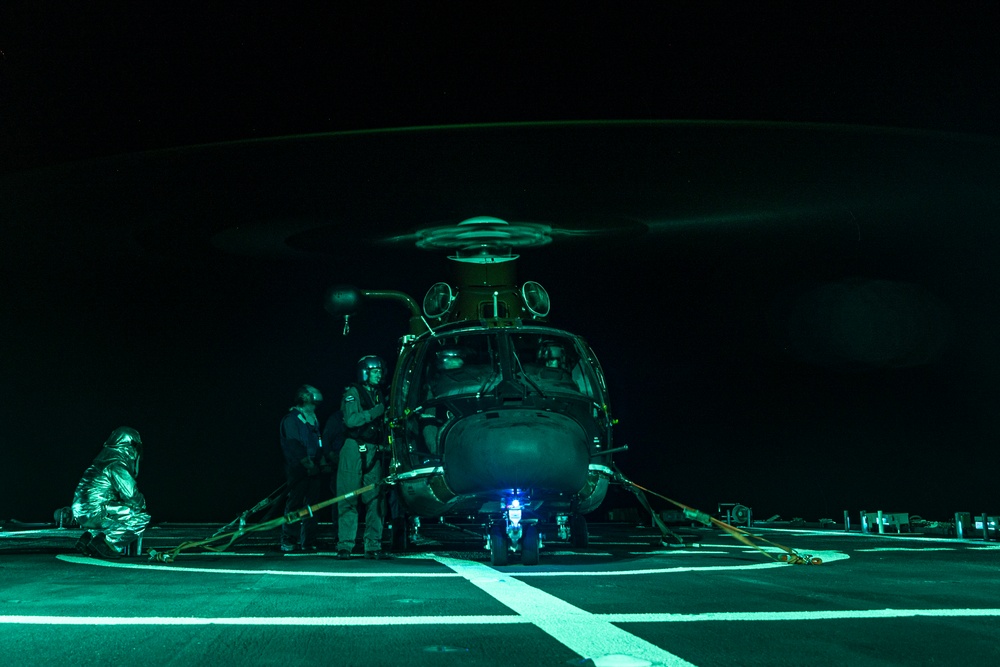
[(536, 298), (438, 300), (514, 512)]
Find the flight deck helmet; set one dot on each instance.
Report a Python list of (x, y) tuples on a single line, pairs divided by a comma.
[(449, 359), (552, 354), (366, 365), (307, 394)]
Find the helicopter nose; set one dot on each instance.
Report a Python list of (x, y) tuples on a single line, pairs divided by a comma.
[(516, 449)]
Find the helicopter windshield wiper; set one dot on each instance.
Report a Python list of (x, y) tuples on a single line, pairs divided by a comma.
[(493, 369), (525, 375), (486, 382)]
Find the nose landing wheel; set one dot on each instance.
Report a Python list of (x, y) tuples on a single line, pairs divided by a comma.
[(499, 544)]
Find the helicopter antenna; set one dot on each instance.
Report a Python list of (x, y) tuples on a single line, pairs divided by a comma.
[(428, 325)]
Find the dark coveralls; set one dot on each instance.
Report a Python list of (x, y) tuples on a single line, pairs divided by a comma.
[(360, 466), (301, 443), (333, 441), (107, 499)]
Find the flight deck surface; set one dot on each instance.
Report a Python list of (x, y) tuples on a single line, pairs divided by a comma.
[(624, 600)]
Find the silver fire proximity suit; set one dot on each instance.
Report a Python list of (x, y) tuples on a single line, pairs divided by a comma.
[(107, 500)]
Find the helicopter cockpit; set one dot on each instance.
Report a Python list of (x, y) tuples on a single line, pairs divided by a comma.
[(470, 365), (475, 371)]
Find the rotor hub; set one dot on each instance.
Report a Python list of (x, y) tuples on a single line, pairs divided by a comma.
[(484, 239)]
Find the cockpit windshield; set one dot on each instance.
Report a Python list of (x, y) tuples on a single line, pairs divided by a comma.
[(554, 364), (470, 364)]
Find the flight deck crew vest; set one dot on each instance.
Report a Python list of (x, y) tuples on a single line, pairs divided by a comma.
[(372, 431)]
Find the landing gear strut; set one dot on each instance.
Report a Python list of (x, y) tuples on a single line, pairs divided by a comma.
[(578, 534), (573, 527), (530, 544)]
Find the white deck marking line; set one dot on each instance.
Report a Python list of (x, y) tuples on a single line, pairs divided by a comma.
[(826, 556), (762, 547), (585, 554), (675, 552), (262, 620), (231, 554), (579, 630), (498, 619), (86, 560), (908, 549), (794, 615), (889, 537), (658, 570)]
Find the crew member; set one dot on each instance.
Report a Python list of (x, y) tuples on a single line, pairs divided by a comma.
[(453, 376), (107, 501), (303, 449), (360, 462), (553, 373), (333, 442)]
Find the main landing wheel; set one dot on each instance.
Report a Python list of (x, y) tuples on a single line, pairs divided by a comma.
[(499, 549), (530, 543)]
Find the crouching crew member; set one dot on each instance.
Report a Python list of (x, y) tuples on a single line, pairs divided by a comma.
[(107, 501), (360, 462)]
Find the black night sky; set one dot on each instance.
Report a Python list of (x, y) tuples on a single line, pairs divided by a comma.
[(788, 268)]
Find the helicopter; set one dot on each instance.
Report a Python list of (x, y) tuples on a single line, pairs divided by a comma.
[(491, 409)]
